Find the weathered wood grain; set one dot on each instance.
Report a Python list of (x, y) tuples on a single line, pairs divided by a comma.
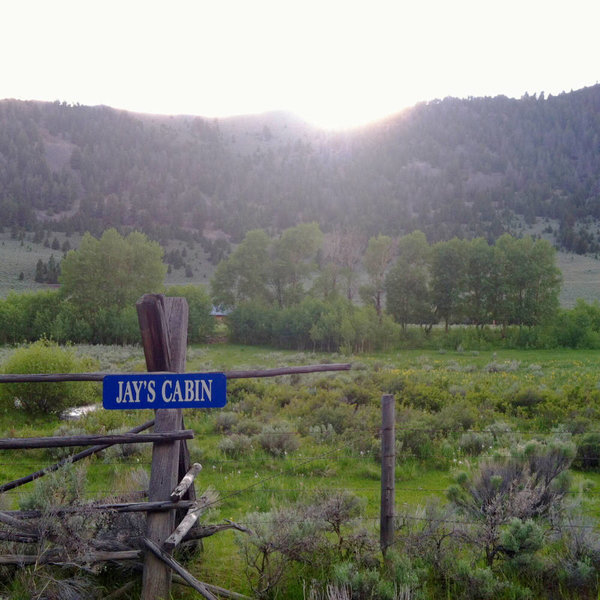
[(185, 483), (88, 440), (163, 326)]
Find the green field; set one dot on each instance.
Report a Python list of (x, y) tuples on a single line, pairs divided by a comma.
[(445, 395)]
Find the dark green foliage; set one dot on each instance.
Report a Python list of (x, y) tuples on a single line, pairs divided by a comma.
[(47, 272), (201, 323), (317, 324), (251, 323), (516, 281), (578, 327), (526, 401), (28, 317), (588, 451)]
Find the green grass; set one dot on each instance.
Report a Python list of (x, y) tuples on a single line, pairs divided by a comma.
[(22, 258), (260, 482)]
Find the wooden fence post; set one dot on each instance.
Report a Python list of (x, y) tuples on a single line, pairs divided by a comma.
[(388, 460), (163, 325)]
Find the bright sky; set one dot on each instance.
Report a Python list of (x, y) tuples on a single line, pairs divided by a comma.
[(334, 63)]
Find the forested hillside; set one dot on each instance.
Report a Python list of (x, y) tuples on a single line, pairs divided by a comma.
[(448, 167)]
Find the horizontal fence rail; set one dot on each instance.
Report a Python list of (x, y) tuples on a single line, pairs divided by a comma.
[(91, 440), (248, 374)]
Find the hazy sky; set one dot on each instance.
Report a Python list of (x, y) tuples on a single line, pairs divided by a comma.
[(334, 63)]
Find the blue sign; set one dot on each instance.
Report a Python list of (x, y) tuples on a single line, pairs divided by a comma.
[(145, 390)]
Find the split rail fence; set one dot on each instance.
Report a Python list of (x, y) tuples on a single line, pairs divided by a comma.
[(171, 494)]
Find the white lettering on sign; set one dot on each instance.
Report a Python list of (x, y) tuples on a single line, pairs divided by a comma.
[(138, 391), (193, 391)]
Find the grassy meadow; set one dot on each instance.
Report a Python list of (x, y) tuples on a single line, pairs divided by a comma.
[(453, 409)]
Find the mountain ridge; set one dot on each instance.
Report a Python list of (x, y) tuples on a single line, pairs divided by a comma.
[(448, 167)]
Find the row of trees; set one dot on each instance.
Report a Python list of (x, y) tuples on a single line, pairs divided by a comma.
[(299, 290), (514, 281)]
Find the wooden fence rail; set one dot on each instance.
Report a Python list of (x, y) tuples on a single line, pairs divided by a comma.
[(89, 440), (247, 374)]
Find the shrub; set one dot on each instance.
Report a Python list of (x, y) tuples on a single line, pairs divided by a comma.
[(339, 416), (61, 488), (588, 452), (65, 430), (275, 540), (527, 400), (278, 439), (322, 433), (122, 451), (224, 421), (509, 492), (235, 445), (47, 357), (248, 426), (474, 443)]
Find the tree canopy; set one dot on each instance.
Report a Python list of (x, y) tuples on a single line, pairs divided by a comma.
[(112, 272)]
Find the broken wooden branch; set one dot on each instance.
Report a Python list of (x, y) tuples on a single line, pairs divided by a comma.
[(59, 557), (21, 538), (187, 480), (16, 523), (208, 498), (208, 530), (223, 592), (175, 566), (117, 506)]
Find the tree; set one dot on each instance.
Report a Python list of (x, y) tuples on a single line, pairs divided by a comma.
[(531, 280), (292, 261), (407, 283), (111, 272), (379, 255), (447, 278), (481, 281), (201, 323), (341, 254), (244, 274)]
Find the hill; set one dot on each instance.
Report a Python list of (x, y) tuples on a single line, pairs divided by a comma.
[(448, 167)]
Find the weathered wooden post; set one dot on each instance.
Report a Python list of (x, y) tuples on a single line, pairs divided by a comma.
[(388, 460), (163, 324)]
